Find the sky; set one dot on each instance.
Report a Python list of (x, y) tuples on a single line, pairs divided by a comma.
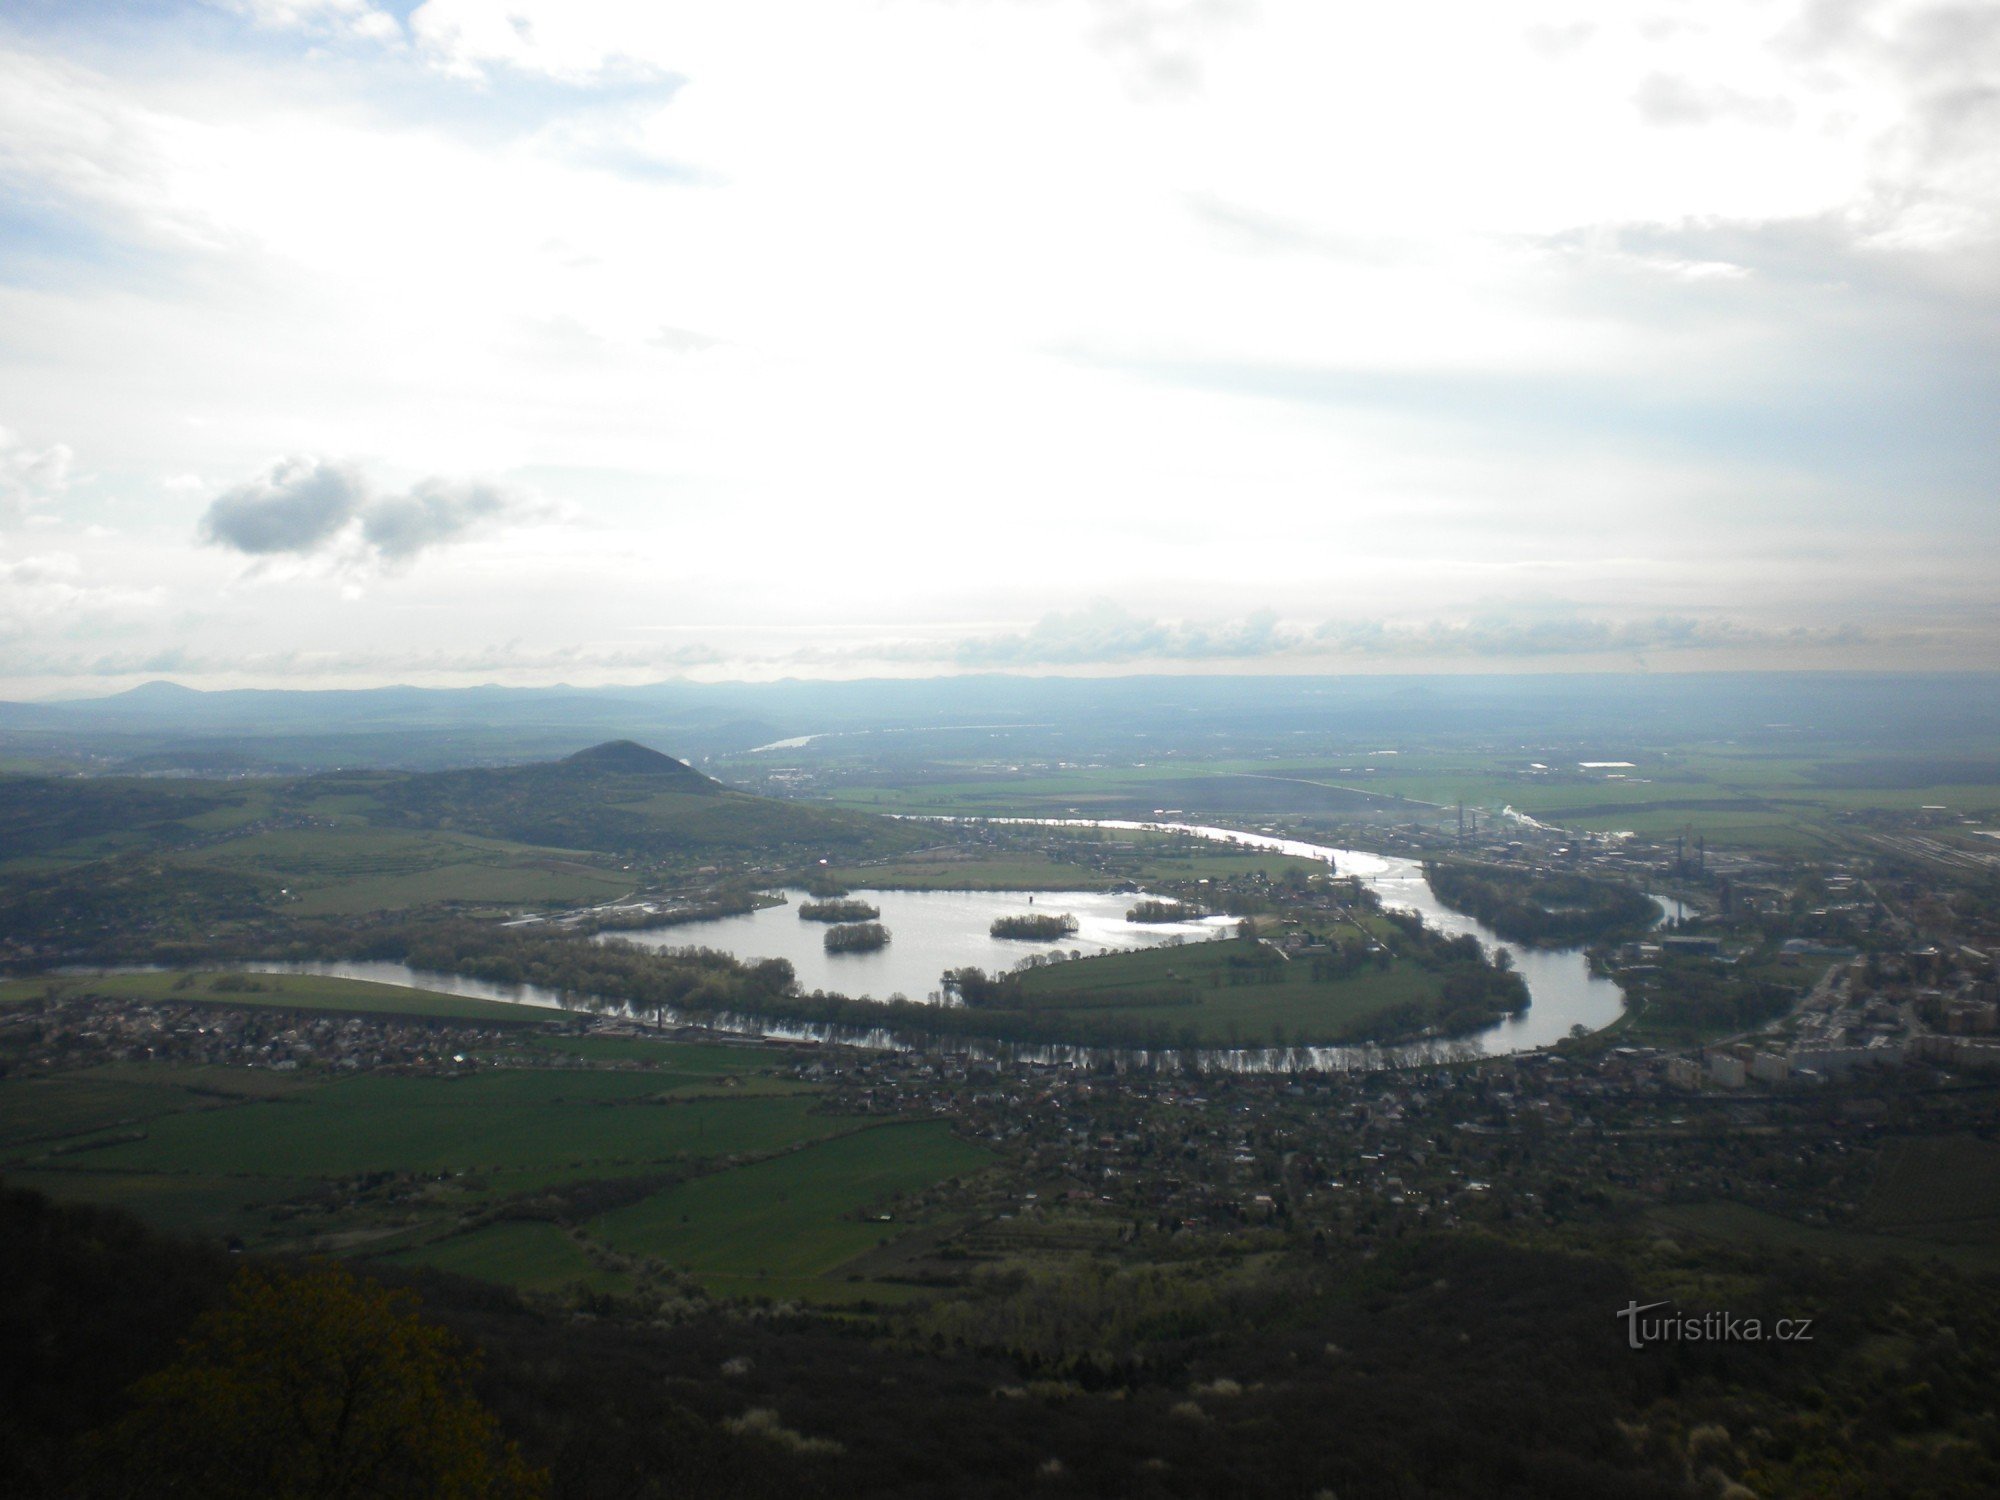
[(346, 343)]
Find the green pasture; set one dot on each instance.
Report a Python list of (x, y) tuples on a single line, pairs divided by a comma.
[(1006, 872), (795, 1216), (70, 1104), (284, 991), (597, 1125), (1076, 859), (697, 1059), (346, 871), (1144, 985)]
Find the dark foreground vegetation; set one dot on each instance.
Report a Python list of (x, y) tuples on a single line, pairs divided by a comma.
[(1442, 1365)]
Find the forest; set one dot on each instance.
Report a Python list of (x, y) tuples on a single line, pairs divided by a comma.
[(1546, 909)]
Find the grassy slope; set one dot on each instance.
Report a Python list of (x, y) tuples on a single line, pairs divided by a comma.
[(358, 842)]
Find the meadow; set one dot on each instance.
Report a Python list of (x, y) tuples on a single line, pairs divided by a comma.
[(498, 1172), (290, 992), (1194, 991), (799, 1215)]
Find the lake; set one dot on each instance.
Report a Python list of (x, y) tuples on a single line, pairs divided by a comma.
[(929, 932)]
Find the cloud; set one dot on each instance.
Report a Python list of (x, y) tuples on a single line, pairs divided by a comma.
[(1534, 635), (52, 595), (568, 43), (1104, 632), (299, 505), (347, 18), (1162, 41), (28, 475), (305, 506), (434, 512), (1664, 99), (1107, 634), (681, 340)]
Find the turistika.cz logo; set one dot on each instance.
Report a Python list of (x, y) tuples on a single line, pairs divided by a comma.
[(1709, 1327)]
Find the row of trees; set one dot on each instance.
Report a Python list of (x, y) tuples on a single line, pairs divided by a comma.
[(1164, 911)]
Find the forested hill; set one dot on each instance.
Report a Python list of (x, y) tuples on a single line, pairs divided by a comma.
[(622, 797), (629, 758)]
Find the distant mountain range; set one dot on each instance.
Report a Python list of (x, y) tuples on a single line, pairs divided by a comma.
[(161, 726)]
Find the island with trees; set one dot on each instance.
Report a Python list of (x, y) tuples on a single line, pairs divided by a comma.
[(1164, 911), (838, 911), (856, 937), (1038, 927)]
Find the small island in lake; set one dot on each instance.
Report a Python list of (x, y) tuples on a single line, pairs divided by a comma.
[(838, 911), (1165, 911), (857, 937), (1035, 926)]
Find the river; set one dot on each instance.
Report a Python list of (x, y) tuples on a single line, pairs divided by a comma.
[(933, 930)]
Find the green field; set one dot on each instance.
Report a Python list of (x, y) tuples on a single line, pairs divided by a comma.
[(1010, 872), (591, 1124), (71, 1104), (289, 1160), (1732, 796), (799, 1215), (1191, 988), (529, 1254), (774, 1196), (1073, 859), (348, 870), (312, 992)]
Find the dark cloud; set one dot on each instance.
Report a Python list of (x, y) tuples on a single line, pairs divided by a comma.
[(305, 506), (297, 507)]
